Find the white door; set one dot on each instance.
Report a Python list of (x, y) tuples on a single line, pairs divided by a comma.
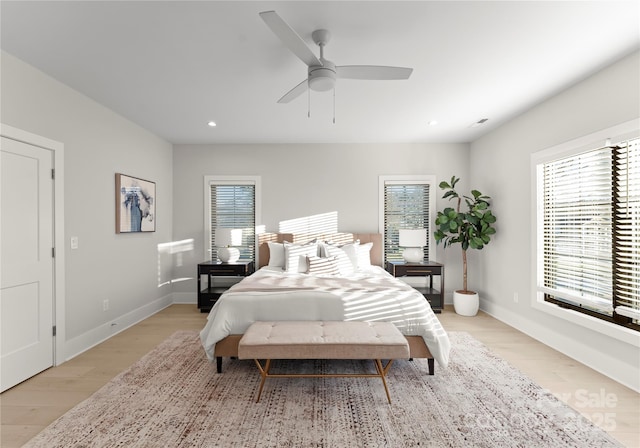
[(26, 263)]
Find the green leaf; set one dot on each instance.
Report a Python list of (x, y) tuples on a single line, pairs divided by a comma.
[(444, 185), (450, 193), (488, 217)]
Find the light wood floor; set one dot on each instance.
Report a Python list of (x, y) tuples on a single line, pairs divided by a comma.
[(31, 406)]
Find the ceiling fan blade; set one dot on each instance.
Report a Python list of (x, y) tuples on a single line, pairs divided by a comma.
[(289, 38), (376, 72), (295, 92)]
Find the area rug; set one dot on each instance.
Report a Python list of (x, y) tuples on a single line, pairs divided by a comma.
[(173, 397)]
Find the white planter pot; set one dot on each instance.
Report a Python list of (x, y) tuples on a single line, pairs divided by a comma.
[(466, 304)]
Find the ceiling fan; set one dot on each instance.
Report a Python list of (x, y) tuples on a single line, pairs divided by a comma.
[(322, 73)]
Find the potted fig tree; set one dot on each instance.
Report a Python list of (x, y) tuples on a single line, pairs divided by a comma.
[(471, 228)]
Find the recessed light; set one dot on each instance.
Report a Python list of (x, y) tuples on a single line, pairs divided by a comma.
[(432, 123), (212, 124)]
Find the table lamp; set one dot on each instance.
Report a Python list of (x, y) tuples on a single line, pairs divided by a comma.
[(413, 240), (225, 238)]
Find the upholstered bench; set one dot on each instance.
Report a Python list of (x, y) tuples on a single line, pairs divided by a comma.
[(323, 340)]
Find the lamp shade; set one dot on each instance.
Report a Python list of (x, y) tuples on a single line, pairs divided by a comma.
[(413, 240), (228, 237), (413, 237)]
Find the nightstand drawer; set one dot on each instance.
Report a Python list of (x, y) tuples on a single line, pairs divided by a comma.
[(415, 270), (223, 269)]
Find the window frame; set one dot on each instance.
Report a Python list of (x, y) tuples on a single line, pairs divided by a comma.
[(408, 179), (229, 180), (621, 132)]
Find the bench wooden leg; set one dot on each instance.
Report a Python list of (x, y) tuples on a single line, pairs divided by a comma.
[(380, 369), (383, 371), (431, 366), (219, 364), (264, 373)]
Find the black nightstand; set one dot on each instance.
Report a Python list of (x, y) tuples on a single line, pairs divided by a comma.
[(426, 269), (208, 296)]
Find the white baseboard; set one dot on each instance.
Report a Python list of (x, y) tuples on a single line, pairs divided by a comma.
[(82, 343), (609, 366)]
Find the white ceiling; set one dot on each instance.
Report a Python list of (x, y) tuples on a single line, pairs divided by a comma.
[(171, 66)]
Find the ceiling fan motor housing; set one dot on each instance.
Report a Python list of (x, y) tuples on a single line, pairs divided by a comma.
[(322, 77)]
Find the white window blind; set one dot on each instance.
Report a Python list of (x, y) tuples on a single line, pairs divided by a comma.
[(406, 206), (626, 236), (234, 207), (591, 242), (577, 229)]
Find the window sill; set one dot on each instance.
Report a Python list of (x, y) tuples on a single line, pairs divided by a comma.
[(609, 329)]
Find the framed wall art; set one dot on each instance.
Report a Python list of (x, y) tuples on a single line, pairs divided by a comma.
[(135, 204)]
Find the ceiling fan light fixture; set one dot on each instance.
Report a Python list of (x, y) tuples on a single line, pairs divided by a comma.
[(322, 78), (321, 83)]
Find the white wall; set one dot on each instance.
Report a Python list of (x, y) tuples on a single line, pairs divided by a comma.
[(608, 98), (98, 143), (307, 179), (299, 180)]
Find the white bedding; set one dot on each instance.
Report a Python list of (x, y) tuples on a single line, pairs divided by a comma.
[(367, 295)]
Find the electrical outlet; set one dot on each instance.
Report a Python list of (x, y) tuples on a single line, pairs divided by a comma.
[(105, 304), (515, 297)]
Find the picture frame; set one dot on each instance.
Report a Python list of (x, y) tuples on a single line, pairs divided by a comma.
[(135, 204)]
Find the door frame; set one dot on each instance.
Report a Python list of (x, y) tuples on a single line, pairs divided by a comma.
[(57, 149)]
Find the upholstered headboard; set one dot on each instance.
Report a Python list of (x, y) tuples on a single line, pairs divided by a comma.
[(337, 238)]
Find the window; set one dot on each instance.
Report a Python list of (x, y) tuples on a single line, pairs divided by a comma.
[(407, 203), (232, 203), (589, 242)]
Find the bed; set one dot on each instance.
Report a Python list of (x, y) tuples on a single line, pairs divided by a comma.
[(323, 277)]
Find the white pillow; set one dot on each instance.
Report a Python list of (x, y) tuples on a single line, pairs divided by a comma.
[(295, 256), (364, 255), (351, 250), (323, 252), (345, 266), (323, 266), (276, 255)]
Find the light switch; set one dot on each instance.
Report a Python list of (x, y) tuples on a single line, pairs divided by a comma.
[(74, 242)]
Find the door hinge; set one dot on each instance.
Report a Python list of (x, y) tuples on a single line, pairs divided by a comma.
[(53, 173), (54, 330), (53, 252)]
